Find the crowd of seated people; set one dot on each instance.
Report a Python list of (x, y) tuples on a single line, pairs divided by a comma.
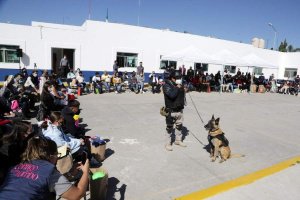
[(19, 95), (291, 87), (203, 82), (122, 81), (25, 146), (197, 80)]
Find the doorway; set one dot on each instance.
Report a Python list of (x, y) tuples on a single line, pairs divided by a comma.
[(57, 54)]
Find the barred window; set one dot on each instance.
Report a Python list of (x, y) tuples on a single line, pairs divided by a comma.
[(290, 73), (8, 54), (127, 59), (230, 69), (258, 70)]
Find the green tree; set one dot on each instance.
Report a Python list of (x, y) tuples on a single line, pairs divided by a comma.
[(283, 46), (290, 48)]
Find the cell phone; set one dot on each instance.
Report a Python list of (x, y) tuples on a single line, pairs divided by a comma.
[(83, 157)]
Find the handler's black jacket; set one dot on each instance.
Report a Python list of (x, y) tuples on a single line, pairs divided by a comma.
[(174, 96)]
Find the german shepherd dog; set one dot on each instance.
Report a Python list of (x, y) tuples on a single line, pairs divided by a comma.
[(219, 145)]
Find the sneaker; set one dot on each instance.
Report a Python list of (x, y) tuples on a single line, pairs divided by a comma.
[(180, 143), (169, 147), (116, 92)]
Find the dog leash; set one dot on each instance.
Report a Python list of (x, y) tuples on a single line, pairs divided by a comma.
[(196, 109), (197, 138), (200, 119)]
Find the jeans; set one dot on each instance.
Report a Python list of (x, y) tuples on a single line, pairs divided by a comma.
[(107, 86), (141, 85), (97, 86), (118, 87)]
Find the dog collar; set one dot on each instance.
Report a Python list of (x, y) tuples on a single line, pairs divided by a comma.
[(215, 132)]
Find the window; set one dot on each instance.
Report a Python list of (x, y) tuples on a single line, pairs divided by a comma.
[(163, 64), (1, 55), (201, 67), (167, 64), (230, 69), (257, 70), (290, 73), (127, 59), (8, 54)]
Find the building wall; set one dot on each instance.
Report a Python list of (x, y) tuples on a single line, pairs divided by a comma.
[(96, 44)]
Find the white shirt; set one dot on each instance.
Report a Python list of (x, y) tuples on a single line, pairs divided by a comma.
[(96, 78)]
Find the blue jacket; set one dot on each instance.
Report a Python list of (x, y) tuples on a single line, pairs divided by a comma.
[(56, 134)]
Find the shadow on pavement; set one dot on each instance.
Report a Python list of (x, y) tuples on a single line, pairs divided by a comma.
[(113, 189)]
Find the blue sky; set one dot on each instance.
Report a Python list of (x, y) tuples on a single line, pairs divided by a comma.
[(236, 20)]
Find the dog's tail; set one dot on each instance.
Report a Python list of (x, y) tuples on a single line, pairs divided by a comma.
[(235, 155)]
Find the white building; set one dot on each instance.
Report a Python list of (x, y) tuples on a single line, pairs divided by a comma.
[(95, 46)]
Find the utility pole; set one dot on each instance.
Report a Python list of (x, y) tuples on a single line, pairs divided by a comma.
[(139, 13), (89, 9), (275, 35)]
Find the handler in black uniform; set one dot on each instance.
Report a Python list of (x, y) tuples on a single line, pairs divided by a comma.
[(174, 95)]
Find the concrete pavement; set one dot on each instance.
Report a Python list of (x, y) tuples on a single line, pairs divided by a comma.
[(264, 127)]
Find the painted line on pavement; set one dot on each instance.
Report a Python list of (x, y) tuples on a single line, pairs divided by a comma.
[(243, 180)]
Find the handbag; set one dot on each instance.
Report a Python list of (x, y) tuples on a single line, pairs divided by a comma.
[(65, 160)]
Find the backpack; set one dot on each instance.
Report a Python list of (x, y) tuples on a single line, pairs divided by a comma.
[(14, 105)]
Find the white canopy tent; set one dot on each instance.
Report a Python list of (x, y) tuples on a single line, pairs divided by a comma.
[(189, 54), (227, 57), (254, 60), (222, 57)]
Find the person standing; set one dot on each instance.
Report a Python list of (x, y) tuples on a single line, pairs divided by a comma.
[(182, 70), (64, 67), (297, 84), (174, 95), (190, 73), (140, 70), (115, 67), (140, 76)]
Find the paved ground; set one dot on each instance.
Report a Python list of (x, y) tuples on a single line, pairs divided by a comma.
[(264, 127), (282, 185)]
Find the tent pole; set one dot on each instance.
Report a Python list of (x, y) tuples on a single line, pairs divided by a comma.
[(222, 75)]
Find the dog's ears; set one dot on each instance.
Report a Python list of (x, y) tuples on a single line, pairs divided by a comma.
[(217, 121), (213, 117)]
